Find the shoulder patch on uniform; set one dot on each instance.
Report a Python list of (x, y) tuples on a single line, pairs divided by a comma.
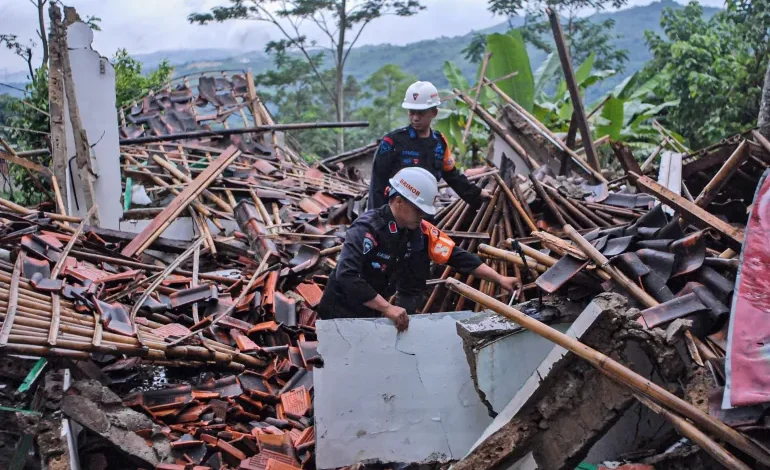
[(368, 245), (393, 227), (386, 145)]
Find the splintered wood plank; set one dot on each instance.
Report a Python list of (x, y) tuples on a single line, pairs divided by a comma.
[(180, 203), (13, 300), (699, 217)]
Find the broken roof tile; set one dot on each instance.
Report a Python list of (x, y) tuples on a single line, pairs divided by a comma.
[(171, 330), (296, 402), (311, 292)]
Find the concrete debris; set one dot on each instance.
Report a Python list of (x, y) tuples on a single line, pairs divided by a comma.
[(566, 405), (101, 411)]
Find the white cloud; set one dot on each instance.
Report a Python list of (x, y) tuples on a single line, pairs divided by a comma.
[(143, 26)]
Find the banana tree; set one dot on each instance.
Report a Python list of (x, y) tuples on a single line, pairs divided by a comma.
[(627, 116)]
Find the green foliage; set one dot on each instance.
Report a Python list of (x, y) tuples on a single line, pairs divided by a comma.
[(455, 76), (626, 115), (509, 54), (585, 36), (342, 21), (130, 83), (292, 91), (32, 126), (715, 68), (23, 116), (385, 90)]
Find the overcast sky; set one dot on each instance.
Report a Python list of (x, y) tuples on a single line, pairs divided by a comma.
[(143, 26)]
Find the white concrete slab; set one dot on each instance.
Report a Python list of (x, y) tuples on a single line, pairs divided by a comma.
[(394, 398), (94, 80), (504, 365)]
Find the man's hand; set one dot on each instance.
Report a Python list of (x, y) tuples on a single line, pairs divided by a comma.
[(508, 283), (398, 315), (486, 194)]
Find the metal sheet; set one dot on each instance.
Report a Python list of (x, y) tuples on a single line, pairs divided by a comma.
[(656, 286), (690, 252), (564, 270), (647, 233), (660, 262), (600, 242), (631, 265), (719, 285), (616, 246), (659, 245), (717, 310), (679, 307)]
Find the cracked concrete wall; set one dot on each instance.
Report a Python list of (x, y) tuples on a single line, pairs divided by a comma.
[(566, 406), (392, 397), (94, 80)]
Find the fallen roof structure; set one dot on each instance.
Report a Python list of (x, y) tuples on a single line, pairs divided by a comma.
[(185, 334)]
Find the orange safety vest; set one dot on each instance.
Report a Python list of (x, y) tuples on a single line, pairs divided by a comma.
[(440, 246)]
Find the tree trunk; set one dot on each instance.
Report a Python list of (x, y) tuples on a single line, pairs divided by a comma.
[(764, 106), (43, 38), (340, 78)]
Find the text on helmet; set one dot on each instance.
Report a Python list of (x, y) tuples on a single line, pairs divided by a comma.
[(411, 188)]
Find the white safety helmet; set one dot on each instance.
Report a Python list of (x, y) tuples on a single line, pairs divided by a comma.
[(418, 186), (421, 95)]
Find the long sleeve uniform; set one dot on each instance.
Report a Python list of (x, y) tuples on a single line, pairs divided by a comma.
[(402, 148), (380, 258)]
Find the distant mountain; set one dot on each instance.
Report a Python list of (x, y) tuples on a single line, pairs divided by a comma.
[(425, 59)]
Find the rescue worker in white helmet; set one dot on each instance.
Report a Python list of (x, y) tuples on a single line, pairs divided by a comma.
[(417, 145), (388, 251)]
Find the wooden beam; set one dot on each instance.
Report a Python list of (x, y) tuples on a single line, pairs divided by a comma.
[(504, 133), (13, 300), (180, 203), (574, 91), (542, 127), (12, 157), (56, 110), (82, 149), (724, 174), (698, 216)]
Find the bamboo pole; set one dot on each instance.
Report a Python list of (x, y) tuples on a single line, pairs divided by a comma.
[(723, 175), (178, 174), (519, 208), (574, 90), (686, 429), (617, 372), (580, 162), (548, 201), (497, 253), (476, 94)]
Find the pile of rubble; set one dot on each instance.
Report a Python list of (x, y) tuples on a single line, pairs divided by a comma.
[(180, 333)]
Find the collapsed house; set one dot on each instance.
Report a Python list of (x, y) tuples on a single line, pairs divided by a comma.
[(161, 314)]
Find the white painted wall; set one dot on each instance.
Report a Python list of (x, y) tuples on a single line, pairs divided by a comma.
[(94, 80)]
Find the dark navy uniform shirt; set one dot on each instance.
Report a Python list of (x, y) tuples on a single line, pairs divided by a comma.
[(379, 257), (402, 148)]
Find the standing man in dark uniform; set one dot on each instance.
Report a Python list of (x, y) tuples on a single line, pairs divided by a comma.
[(388, 251), (417, 145)]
